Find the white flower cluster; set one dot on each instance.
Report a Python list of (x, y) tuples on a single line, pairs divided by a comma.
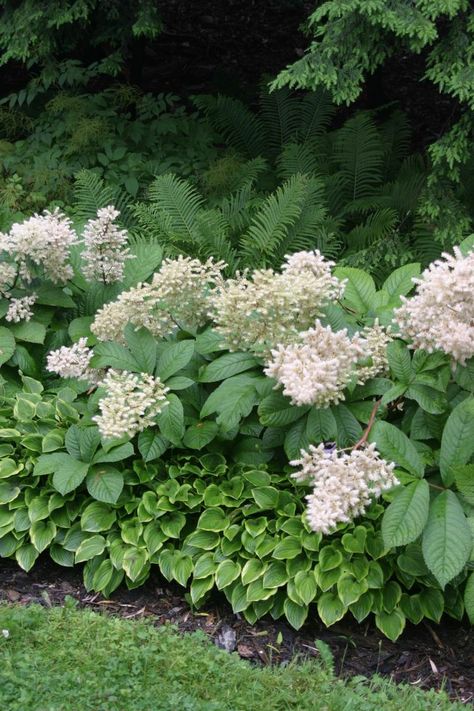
[(131, 403), (44, 240), (73, 362), (316, 371), (20, 309), (268, 309), (105, 252), (343, 483), (441, 314), (376, 339), (179, 295)]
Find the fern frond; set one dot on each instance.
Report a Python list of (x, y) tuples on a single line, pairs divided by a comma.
[(91, 193), (299, 158), (405, 191), (358, 154), (238, 209), (315, 113), (178, 201), (269, 227), (377, 226), (280, 114), (235, 122), (396, 137)]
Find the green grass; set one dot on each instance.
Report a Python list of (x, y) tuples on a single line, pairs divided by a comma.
[(64, 659)]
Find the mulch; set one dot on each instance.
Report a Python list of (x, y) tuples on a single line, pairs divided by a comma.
[(427, 656)]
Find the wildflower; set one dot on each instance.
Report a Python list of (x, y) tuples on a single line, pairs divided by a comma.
[(258, 312), (131, 403), (72, 362), (6, 633), (105, 252), (441, 314), (344, 484), (20, 309), (316, 371), (179, 295)]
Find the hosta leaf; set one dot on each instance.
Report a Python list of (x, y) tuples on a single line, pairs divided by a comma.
[(295, 614), (41, 534), (26, 556), (134, 562), (391, 624), (457, 442), (226, 573), (447, 539), (405, 518), (90, 548), (330, 608)]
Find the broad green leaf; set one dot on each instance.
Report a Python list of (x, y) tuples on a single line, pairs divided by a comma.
[(305, 583), (406, 517), (151, 445), (400, 281), (8, 467), (266, 497), (173, 523), (428, 398), (226, 573), (330, 608), (213, 519), (200, 587), (182, 568), (321, 425), (105, 483), (7, 345), (350, 590), (276, 410), (103, 575), (464, 477), (97, 516), (61, 556), (349, 430), (171, 420), (147, 259), (457, 442), (296, 439), (69, 473), (41, 534), (360, 288), (200, 434), (54, 296), (114, 355), (399, 361), (226, 366), (287, 548), (396, 447), (447, 538), (115, 454), (173, 358), (295, 614), (391, 624), (29, 331), (142, 346), (253, 569), (26, 556), (233, 399), (469, 598), (81, 328), (134, 562)]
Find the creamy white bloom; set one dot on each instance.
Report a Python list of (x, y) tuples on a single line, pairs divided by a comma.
[(8, 273), (44, 240), (441, 314), (131, 403), (267, 309), (105, 250), (344, 483), (20, 309), (73, 362), (375, 341), (316, 371), (179, 295)]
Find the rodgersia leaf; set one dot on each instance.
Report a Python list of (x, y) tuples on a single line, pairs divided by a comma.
[(406, 516)]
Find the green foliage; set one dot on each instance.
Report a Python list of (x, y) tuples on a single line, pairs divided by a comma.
[(351, 40), (192, 673), (206, 494), (46, 37)]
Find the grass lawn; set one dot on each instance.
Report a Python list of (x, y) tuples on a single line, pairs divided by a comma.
[(64, 659)]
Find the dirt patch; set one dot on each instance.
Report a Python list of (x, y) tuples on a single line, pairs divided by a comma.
[(427, 656)]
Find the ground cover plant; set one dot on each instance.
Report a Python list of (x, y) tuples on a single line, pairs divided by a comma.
[(135, 666), (195, 411)]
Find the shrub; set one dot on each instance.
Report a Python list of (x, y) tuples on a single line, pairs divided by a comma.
[(199, 483)]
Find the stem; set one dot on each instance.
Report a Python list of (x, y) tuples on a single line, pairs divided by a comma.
[(370, 424)]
